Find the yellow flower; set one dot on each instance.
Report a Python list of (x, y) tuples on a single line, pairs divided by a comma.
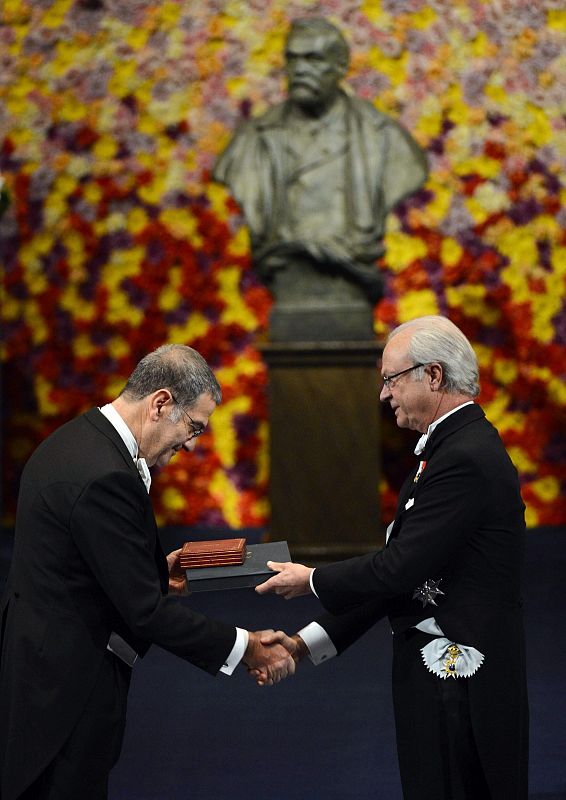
[(218, 195), (521, 459), (531, 517), (121, 310), (228, 498), (557, 391), (539, 129), (423, 18), (496, 408), (136, 220), (223, 426), (105, 148), (182, 224), (227, 376), (124, 78), (393, 68), (78, 307), (173, 499), (373, 11), (11, 308), (137, 38), (122, 264), (83, 347), (556, 19), (546, 306), (43, 388), (237, 87), (195, 326), (417, 304), (235, 309), (117, 347), (153, 192), (55, 14), (505, 371), (240, 243), (450, 252), (472, 298), (114, 387), (479, 165), (402, 250), (546, 489), (92, 193), (169, 299), (168, 14)]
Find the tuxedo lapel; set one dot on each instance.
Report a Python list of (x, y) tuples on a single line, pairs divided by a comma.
[(452, 424), (96, 418)]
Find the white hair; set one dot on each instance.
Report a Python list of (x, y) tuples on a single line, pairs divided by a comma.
[(437, 339)]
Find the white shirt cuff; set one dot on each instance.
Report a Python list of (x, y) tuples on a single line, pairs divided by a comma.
[(236, 653), (311, 582), (318, 642)]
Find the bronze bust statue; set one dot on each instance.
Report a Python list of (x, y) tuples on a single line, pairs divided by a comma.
[(316, 177)]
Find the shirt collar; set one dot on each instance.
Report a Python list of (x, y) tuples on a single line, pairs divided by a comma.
[(424, 438), (129, 440), (125, 433)]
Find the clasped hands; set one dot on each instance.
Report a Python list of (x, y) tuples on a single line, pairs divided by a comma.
[(273, 655)]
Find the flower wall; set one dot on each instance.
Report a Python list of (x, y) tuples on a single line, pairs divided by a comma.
[(116, 240)]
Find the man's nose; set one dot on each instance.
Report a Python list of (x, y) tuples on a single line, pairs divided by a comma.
[(190, 445), (384, 394)]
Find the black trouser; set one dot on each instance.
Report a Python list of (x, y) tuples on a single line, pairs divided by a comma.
[(438, 757), (80, 769)]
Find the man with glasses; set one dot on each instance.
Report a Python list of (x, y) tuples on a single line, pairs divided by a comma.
[(90, 588), (448, 579)]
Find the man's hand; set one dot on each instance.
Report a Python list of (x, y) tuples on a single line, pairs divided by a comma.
[(177, 576), (292, 580), (293, 644), (270, 663)]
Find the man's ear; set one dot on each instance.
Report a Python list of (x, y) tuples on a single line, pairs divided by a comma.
[(436, 376), (158, 400)]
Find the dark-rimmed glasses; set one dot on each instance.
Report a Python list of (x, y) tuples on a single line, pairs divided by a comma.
[(387, 379), (197, 428)]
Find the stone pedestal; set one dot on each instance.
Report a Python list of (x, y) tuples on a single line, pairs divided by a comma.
[(324, 447)]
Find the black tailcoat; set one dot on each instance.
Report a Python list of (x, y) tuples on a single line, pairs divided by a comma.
[(461, 523), (87, 561)]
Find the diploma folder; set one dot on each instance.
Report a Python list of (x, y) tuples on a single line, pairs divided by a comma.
[(252, 572)]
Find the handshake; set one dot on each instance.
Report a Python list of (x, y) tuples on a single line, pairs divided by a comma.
[(272, 655)]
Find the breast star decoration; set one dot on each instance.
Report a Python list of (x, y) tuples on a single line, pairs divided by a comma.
[(427, 592)]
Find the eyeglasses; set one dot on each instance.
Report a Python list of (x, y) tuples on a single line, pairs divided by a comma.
[(197, 429), (388, 380)]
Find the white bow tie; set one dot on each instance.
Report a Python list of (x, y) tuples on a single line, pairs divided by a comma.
[(421, 444), (143, 470)]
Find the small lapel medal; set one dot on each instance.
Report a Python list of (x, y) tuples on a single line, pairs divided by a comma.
[(422, 465)]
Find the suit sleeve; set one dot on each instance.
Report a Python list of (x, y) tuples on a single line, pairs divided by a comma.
[(447, 509), (345, 629), (112, 524)]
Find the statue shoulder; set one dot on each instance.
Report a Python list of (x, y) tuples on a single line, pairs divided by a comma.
[(273, 117), (369, 113)]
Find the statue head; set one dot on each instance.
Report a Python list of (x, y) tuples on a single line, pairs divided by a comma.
[(317, 57)]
